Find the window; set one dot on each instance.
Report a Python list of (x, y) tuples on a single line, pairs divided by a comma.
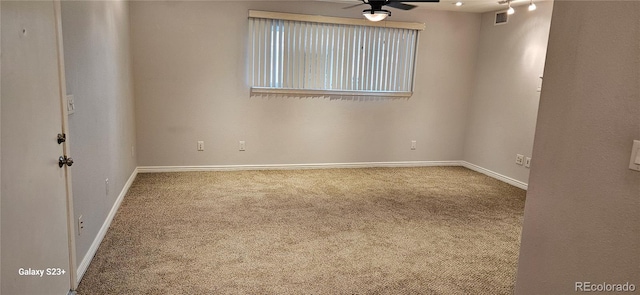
[(304, 55)]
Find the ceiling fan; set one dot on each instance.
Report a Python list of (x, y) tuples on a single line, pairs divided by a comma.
[(376, 13)]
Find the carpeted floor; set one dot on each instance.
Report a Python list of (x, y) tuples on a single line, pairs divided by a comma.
[(431, 230)]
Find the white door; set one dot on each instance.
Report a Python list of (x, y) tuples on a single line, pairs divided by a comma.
[(33, 197)]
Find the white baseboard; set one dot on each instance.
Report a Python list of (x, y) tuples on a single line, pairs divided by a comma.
[(498, 176), (84, 264), (152, 169)]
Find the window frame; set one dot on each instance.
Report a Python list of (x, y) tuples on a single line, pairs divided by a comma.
[(298, 92)]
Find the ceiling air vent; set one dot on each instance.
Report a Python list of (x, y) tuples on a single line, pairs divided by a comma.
[(501, 18)]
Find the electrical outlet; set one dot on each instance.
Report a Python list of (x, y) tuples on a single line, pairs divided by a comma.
[(80, 225), (200, 145), (527, 162), (106, 186), (243, 145), (413, 144), (519, 159)]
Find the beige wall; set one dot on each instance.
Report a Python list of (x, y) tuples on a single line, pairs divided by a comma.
[(581, 219), (102, 129), (190, 68), (504, 105)]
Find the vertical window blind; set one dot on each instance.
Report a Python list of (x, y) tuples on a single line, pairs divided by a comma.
[(310, 58)]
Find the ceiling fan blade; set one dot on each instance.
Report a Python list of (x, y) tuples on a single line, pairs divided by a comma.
[(400, 5), (354, 5), (392, 1)]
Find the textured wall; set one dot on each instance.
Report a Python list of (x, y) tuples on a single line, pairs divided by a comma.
[(504, 105), (581, 219), (190, 84), (102, 129)]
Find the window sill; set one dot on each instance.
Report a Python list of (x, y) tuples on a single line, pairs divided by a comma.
[(323, 92)]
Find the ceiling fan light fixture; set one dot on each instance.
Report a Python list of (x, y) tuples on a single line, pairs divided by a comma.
[(376, 15)]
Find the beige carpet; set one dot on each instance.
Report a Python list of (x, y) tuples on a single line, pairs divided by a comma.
[(433, 230)]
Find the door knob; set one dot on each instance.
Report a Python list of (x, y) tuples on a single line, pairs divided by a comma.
[(64, 160)]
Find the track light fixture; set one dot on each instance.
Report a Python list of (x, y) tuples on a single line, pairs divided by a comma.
[(510, 11), (532, 6)]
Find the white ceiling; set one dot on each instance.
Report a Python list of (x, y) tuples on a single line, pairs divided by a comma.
[(468, 6)]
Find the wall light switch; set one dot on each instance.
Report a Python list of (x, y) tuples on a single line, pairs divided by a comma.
[(634, 162), (539, 85), (527, 162), (413, 144), (71, 105)]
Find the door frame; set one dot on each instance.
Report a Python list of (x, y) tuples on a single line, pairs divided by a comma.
[(0, 143), (71, 224)]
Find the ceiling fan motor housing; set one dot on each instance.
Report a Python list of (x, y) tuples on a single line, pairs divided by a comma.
[(376, 5)]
